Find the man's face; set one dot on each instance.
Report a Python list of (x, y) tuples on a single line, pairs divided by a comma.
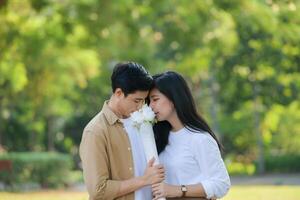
[(132, 102)]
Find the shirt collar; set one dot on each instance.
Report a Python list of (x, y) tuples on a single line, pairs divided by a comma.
[(111, 117)]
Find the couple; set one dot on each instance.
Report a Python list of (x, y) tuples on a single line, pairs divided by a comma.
[(113, 160)]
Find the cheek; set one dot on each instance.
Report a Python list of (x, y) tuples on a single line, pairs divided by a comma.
[(122, 107), (152, 105), (166, 107), (127, 106), (131, 106)]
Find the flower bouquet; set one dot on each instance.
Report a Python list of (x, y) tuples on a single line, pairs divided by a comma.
[(143, 120)]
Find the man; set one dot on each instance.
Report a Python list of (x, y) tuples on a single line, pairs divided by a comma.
[(111, 165)]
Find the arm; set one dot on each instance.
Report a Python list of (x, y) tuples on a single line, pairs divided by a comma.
[(174, 191), (96, 170), (216, 183), (152, 175), (95, 166)]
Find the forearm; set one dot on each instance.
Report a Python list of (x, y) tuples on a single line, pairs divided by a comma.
[(196, 190), (111, 189), (131, 185)]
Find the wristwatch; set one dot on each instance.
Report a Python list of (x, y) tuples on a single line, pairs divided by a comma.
[(183, 190)]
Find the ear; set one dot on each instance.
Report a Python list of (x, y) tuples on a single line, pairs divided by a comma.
[(119, 93)]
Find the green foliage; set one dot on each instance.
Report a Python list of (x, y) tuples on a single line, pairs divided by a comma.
[(241, 59), (288, 163), (281, 129), (236, 168), (46, 169)]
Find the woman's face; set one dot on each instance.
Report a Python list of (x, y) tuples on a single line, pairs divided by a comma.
[(161, 105)]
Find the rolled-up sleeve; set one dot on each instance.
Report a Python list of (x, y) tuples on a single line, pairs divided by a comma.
[(95, 166), (217, 181)]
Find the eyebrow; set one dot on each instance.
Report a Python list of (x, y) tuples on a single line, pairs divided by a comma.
[(154, 95), (139, 99)]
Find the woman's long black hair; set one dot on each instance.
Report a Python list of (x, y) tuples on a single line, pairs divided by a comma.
[(175, 88)]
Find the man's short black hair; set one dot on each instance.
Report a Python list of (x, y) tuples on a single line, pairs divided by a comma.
[(130, 77)]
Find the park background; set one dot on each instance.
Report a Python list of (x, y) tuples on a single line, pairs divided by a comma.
[(240, 57)]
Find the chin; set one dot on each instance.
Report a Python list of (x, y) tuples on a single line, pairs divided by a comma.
[(159, 119)]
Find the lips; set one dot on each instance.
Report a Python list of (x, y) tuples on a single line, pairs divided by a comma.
[(157, 115)]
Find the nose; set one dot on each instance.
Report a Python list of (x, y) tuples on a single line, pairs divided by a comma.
[(151, 105)]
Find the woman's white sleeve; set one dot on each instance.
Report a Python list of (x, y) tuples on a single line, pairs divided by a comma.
[(217, 182)]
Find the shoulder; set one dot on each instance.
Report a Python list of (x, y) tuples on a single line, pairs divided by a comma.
[(202, 138), (98, 125)]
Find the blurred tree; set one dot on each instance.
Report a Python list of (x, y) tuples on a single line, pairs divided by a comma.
[(241, 59)]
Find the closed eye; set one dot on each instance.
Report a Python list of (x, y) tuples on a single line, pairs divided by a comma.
[(138, 100)]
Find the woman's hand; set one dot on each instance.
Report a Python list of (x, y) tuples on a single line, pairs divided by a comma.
[(160, 190)]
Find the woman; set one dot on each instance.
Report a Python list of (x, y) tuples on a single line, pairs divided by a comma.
[(188, 148)]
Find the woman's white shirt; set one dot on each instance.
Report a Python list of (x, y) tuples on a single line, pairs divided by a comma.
[(193, 158)]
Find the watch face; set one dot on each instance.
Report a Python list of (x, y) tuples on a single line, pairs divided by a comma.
[(183, 189)]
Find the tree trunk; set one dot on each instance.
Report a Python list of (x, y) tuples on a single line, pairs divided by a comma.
[(260, 144), (50, 134), (1, 123), (0, 133), (214, 89)]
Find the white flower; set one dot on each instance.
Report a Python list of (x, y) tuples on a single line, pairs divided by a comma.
[(143, 115), (137, 117), (148, 113)]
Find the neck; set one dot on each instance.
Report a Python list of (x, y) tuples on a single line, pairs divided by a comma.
[(175, 122), (114, 107)]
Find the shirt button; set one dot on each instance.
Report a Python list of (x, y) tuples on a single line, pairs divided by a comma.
[(129, 148), (130, 168)]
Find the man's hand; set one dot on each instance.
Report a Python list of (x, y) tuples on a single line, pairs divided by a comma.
[(153, 174)]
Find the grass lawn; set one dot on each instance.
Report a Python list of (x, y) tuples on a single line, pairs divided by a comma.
[(236, 193), (263, 193), (45, 195)]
